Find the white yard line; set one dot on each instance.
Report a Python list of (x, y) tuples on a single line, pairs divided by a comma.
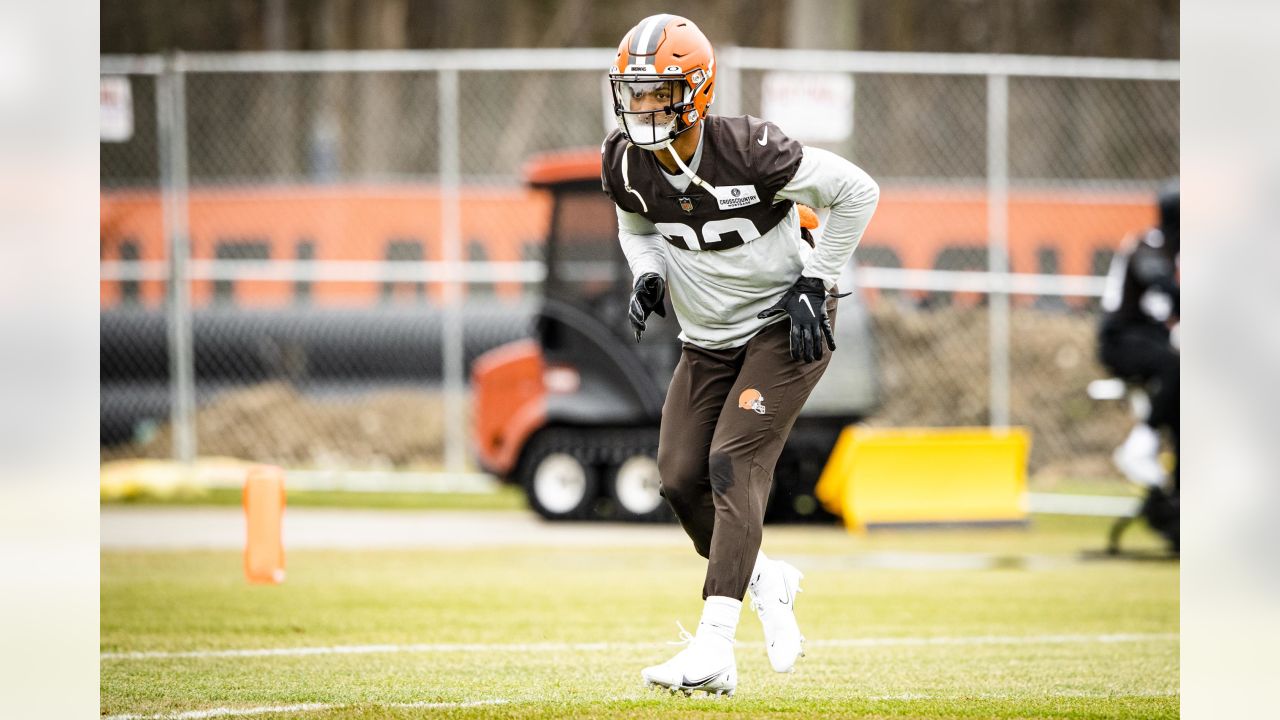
[(302, 707), (578, 647), (995, 640), (226, 712), (312, 707), (1021, 696)]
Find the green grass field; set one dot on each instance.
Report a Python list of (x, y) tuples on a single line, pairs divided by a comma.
[(1006, 623)]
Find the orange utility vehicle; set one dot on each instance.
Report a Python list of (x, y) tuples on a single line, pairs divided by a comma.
[(572, 414)]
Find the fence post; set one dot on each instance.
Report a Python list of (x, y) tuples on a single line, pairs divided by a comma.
[(451, 336), (998, 244), (171, 122), (729, 86)]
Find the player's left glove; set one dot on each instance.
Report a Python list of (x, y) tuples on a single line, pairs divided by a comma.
[(805, 303)]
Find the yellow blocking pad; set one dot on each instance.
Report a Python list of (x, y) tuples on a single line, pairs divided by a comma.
[(926, 475), (130, 479)]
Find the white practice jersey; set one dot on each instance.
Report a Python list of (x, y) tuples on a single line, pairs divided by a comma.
[(721, 267)]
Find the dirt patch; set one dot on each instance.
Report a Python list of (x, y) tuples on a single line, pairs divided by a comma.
[(273, 422)]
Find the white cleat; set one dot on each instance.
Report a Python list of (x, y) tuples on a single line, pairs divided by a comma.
[(773, 594), (705, 665)]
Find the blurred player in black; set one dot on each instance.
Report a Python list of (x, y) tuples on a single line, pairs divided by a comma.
[(1138, 342)]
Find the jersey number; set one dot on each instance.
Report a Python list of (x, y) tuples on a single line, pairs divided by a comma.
[(714, 233)]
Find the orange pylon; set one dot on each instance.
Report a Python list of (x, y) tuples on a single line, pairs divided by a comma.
[(264, 515)]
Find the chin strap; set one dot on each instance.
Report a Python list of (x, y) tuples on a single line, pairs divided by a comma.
[(692, 176), (626, 179)]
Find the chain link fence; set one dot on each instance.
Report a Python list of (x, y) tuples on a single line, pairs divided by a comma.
[(359, 230)]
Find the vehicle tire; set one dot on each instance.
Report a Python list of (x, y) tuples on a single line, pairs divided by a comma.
[(559, 482), (635, 486)]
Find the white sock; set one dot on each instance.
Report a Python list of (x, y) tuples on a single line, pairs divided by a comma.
[(720, 618), (1143, 440), (1141, 453)]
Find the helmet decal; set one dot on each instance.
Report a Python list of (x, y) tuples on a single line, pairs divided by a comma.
[(752, 400), (646, 36)]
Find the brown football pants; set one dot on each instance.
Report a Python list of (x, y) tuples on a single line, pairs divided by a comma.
[(726, 417)]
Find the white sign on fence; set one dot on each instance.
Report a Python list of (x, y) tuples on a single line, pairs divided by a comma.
[(810, 107), (115, 109)]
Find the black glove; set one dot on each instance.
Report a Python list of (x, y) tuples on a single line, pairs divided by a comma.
[(805, 303), (646, 297)]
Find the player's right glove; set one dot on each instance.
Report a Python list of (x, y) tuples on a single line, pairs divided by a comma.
[(646, 297)]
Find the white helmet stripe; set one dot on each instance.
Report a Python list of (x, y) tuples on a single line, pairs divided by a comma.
[(643, 42)]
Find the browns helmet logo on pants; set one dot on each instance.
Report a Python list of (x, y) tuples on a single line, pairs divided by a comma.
[(751, 399)]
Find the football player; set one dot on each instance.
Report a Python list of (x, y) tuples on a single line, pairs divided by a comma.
[(1137, 341), (707, 216)]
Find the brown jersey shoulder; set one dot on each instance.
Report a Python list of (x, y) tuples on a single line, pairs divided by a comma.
[(746, 172)]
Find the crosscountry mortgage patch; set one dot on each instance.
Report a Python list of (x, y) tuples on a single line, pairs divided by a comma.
[(732, 197)]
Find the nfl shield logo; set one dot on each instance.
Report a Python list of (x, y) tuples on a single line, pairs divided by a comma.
[(686, 204)]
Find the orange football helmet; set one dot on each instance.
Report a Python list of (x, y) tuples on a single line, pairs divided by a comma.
[(662, 81)]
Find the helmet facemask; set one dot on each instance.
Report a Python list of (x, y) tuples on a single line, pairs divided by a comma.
[(652, 110)]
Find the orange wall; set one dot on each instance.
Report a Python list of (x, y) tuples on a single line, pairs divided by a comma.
[(356, 223), (342, 223), (918, 224)]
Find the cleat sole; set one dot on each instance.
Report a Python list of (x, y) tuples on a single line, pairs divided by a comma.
[(687, 691)]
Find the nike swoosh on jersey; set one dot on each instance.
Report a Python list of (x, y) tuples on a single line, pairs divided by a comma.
[(764, 139), (805, 299)]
